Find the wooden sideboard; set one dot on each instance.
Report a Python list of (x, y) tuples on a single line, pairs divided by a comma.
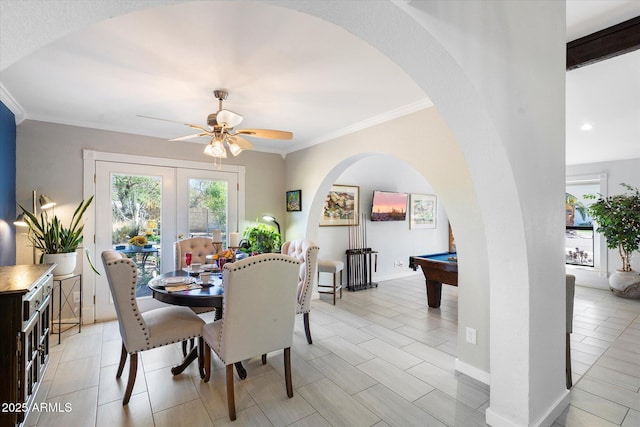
[(25, 315)]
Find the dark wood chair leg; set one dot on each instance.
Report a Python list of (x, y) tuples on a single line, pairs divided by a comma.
[(184, 348), (133, 369), (334, 288), (287, 371), (207, 362), (264, 359), (231, 401), (201, 356), (307, 331), (568, 363), (123, 359), (340, 284)]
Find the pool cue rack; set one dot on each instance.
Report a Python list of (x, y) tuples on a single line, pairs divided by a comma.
[(360, 265)]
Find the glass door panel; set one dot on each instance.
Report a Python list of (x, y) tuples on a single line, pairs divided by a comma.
[(207, 202), (136, 220), (135, 214)]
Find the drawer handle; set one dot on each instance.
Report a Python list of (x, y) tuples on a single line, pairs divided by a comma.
[(41, 349)]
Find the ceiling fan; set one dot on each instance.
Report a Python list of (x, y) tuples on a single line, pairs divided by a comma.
[(220, 128)]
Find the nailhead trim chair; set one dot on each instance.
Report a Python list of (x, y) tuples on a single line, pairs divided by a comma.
[(257, 317), (199, 247), (307, 252), (144, 330)]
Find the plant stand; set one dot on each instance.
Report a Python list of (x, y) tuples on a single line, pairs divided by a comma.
[(65, 299)]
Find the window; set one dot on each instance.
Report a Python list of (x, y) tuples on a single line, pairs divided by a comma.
[(580, 239)]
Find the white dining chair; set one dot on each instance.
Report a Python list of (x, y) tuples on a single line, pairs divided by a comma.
[(257, 317), (307, 252), (144, 330)]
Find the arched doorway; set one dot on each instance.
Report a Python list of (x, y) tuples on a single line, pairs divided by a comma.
[(509, 127)]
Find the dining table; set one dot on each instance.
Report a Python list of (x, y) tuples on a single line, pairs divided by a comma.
[(163, 288)]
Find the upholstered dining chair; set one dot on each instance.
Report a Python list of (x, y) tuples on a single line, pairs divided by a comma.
[(199, 247), (307, 252), (571, 291), (144, 330), (258, 315)]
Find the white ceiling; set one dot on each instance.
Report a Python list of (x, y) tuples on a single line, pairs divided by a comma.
[(283, 69)]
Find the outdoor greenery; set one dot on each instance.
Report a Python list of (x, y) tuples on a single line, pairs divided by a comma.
[(618, 219), (261, 238), (136, 206), (213, 196), (135, 201), (50, 236)]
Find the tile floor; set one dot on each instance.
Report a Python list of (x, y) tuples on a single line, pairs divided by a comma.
[(379, 358)]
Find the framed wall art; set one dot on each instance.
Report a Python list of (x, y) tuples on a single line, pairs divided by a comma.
[(422, 211), (294, 201), (341, 206)]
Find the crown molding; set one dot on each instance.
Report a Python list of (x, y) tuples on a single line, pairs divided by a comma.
[(375, 120), (12, 105)]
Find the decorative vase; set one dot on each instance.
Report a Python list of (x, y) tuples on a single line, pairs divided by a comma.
[(625, 284), (66, 263)]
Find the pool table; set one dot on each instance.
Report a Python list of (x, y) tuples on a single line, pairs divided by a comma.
[(437, 269)]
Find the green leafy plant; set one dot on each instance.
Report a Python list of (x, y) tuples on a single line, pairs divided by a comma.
[(50, 236), (618, 220), (262, 238)]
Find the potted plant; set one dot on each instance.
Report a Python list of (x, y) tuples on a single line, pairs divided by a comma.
[(56, 242), (618, 220), (261, 238)]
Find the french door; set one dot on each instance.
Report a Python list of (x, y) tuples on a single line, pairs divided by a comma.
[(157, 204)]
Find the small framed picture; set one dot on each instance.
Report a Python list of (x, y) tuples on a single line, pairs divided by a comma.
[(341, 206), (423, 211), (294, 201)]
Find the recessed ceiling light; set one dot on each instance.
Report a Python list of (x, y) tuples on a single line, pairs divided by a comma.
[(586, 126)]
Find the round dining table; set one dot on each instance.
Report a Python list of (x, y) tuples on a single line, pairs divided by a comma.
[(210, 295)]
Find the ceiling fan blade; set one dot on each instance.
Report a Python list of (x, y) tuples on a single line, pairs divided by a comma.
[(243, 143), (266, 133), (228, 118), (195, 135)]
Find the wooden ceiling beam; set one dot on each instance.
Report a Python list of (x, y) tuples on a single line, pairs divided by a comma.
[(604, 44)]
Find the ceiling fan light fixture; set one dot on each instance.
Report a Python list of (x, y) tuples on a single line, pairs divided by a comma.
[(228, 118), (215, 149), (234, 148)]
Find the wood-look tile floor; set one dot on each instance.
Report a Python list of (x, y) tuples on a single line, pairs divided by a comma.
[(379, 358)]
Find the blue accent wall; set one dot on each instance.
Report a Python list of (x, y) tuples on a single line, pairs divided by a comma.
[(7, 186)]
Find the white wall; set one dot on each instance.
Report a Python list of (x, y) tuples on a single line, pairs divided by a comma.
[(393, 240), (496, 72), (624, 171)]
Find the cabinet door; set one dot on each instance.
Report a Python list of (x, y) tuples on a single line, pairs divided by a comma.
[(29, 363), (43, 338)]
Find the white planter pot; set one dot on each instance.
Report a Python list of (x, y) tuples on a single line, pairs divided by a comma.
[(625, 284), (66, 262)]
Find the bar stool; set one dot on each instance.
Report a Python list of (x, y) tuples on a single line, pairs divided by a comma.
[(333, 267)]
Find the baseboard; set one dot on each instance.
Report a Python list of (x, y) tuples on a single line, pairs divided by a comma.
[(473, 372), (555, 410), (496, 420)]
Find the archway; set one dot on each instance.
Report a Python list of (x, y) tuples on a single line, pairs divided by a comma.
[(475, 61)]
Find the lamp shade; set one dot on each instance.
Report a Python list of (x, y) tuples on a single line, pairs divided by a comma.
[(46, 202), (20, 222), (234, 148)]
